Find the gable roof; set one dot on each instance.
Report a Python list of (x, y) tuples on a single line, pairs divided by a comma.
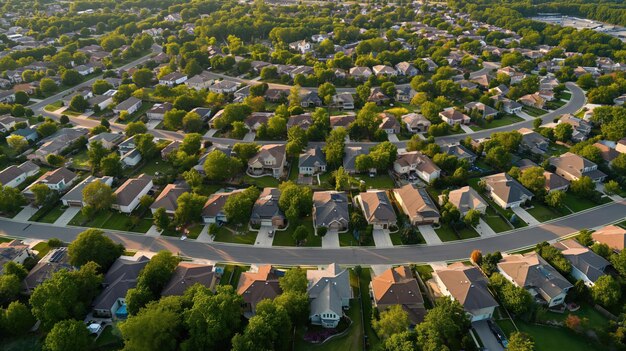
[(396, 286), (611, 235), (186, 275), (215, 203), (266, 206), (169, 196), (466, 198), (582, 258), (127, 192), (416, 202), (329, 207), (260, 285), (377, 206), (327, 289), (506, 188), (467, 285), (312, 157), (121, 277)]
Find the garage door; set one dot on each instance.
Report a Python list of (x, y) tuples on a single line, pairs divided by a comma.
[(266, 222)]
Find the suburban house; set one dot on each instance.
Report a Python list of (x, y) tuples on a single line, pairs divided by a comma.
[(382, 70), (533, 273), (620, 146), (131, 158), (330, 210), (344, 100), (607, 153), (360, 73), (121, 277), (8, 122), (266, 211), (29, 133), (508, 105), (468, 286), (452, 116), (582, 128), (506, 191), (74, 197), (418, 163), (13, 251), (586, 264), (342, 121), (127, 196), (304, 121), (612, 235), (302, 46), (555, 182), (389, 123), (13, 176), (460, 152), (329, 293), (269, 160), (257, 119), (377, 209), (58, 142), (377, 96), (157, 112), (484, 110), (417, 205), (59, 179), (397, 286), (432, 65), (213, 210), (168, 198), (102, 101), (256, 285), (573, 167), (173, 79), (312, 161), (310, 99), (54, 261), (224, 87), (130, 105), (126, 146), (199, 81), (108, 140), (532, 100), (416, 123), (533, 141), (465, 199), (186, 275), (406, 69)]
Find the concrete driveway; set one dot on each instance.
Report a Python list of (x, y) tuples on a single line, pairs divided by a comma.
[(393, 138), (25, 214), (263, 237), (381, 238), (483, 229), (486, 336), (429, 234), (249, 137), (525, 216), (67, 216), (331, 240)]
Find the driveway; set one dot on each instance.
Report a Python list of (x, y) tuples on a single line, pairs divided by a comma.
[(525, 216), (249, 137), (152, 124), (67, 216), (525, 116), (25, 214), (486, 336), (153, 231), (483, 229), (467, 129), (204, 236), (263, 237), (331, 240), (381, 238), (429, 234), (393, 138), (211, 133)]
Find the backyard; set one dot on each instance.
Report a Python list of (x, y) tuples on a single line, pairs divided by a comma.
[(156, 165), (380, 181), (231, 275), (262, 182)]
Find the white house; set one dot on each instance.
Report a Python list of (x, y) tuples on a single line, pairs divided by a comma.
[(129, 193), (13, 176), (130, 105), (418, 163)]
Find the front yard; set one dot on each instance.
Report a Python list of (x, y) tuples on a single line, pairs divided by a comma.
[(50, 215), (446, 233), (347, 239), (533, 111), (495, 221), (577, 204), (543, 213), (496, 123), (228, 234), (113, 220), (285, 237)]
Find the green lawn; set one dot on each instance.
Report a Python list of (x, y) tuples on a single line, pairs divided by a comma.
[(364, 281), (231, 275), (425, 272), (113, 220), (533, 111), (396, 239), (226, 236), (50, 216), (501, 122), (284, 237), (446, 233), (294, 170), (543, 213), (557, 149), (566, 95), (507, 213), (552, 338), (30, 342), (594, 319), (352, 340), (262, 182), (81, 160), (42, 248), (380, 181), (553, 105), (109, 339), (347, 239), (577, 204), (6, 150), (156, 165), (494, 221), (54, 106)]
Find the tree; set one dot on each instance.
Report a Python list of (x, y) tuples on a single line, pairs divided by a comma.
[(143, 77), (619, 164), (161, 219), (334, 148), (68, 335), (294, 280), (55, 160), (300, 234), (612, 187), (477, 257), (191, 143), (47, 128), (47, 86), (92, 245), (151, 281), (67, 294), (17, 319), (472, 218), (498, 157), (218, 166), (533, 179), (64, 119), (70, 77), (100, 87), (98, 195), (404, 341), (296, 304), (265, 330), (563, 132), (342, 179), (444, 328), (111, 165), (606, 291), (515, 299), (173, 119), (296, 140), (79, 104), (326, 92), (16, 269), (146, 146), (134, 128), (617, 260), (155, 327), (555, 199), (10, 286), (238, 207), (96, 153), (519, 341), (17, 143), (239, 130), (189, 208), (21, 98), (295, 201), (583, 187), (192, 122), (393, 320), (42, 193), (11, 199)]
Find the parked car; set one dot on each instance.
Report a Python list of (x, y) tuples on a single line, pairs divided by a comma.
[(498, 333)]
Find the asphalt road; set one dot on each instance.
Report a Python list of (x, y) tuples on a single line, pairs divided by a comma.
[(221, 252)]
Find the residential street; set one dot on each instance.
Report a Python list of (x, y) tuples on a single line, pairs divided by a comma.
[(459, 250)]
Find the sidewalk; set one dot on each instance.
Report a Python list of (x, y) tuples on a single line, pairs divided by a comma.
[(429, 234)]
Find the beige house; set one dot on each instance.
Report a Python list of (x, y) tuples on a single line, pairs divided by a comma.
[(506, 191), (377, 209), (465, 199), (269, 160), (416, 204), (611, 235), (417, 163), (397, 286), (452, 116), (573, 167)]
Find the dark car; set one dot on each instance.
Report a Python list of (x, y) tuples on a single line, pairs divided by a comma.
[(498, 333)]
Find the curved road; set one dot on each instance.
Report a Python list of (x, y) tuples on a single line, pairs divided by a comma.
[(459, 250)]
